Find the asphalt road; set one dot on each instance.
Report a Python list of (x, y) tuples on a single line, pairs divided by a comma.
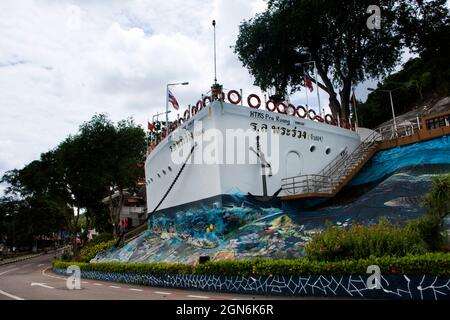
[(33, 279)]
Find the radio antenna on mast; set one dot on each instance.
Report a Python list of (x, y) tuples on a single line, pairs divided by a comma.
[(215, 67)]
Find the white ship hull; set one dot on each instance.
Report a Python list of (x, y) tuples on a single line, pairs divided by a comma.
[(302, 147)]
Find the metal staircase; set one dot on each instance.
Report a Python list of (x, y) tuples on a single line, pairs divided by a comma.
[(333, 177)]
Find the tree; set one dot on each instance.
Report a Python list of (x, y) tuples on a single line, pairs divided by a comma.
[(332, 33), (99, 161), (123, 172)]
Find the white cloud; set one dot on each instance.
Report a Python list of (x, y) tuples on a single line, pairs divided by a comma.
[(61, 62)]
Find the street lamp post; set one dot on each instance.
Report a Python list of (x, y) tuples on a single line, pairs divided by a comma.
[(167, 98), (392, 105)]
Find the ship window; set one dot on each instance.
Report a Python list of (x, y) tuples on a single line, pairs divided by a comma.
[(328, 150), (164, 171), (159, 176), (151, 179), (312, 148), (170, 169)]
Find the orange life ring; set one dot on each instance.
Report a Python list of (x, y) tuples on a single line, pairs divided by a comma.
[(329, 119), (304, 112), (272, 102), (293, 108), (249, 101), (187, 114), (230, 93), (284, 111), (204, 100), (309, 114), (319, 118)]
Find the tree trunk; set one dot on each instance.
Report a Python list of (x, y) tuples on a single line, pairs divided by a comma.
[(114, 211), (334, 104), (74, 232), (345, 99)]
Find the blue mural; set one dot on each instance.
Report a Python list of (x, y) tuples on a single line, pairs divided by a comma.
[(241, 228)]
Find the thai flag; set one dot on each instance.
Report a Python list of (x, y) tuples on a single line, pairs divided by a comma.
[(308, 82), (172, 100)]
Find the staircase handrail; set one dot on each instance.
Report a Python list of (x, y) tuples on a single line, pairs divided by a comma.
[(311, 179)]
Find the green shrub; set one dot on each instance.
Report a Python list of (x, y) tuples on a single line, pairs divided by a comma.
[(148, 268), (360, 242), (89, 252), (426, 264), (102, 237), (430, 230)]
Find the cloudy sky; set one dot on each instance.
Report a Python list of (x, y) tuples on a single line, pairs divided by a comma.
[(63, 61)]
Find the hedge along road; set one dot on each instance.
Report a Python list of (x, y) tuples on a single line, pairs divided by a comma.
[(33, 279)]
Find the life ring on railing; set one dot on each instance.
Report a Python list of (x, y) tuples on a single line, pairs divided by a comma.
[(284, 111), (329, 119), (319, 118), (293, 110), (199, 105), (187, 114), (309, 114), (229, 95), (272, 102), (344, 123), (194, 110), (204, 100), (249, 101), (304, 112)]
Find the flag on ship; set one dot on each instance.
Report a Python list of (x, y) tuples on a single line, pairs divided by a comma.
[(172, 100), (308, 82), (150, 126)]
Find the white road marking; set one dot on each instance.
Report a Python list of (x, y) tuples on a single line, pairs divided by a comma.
[(132, 289), (26, 265), (50, 276), (9, 270), (40, 265), (9, 295), (43, 285), (160, 292), (199, 297), (98, 284), (115, 287), (85, 282)]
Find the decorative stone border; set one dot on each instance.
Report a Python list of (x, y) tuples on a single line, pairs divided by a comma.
[(392, 286)]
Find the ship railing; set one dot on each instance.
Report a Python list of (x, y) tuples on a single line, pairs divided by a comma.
[(255, 102), (405, 128), (310, 183)]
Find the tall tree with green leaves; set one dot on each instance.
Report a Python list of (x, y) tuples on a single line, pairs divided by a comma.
[(332, 33)]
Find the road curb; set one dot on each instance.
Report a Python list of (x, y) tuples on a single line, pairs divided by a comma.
[(2, 263)]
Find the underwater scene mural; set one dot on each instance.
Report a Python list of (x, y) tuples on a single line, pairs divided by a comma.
[(242, 228)]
